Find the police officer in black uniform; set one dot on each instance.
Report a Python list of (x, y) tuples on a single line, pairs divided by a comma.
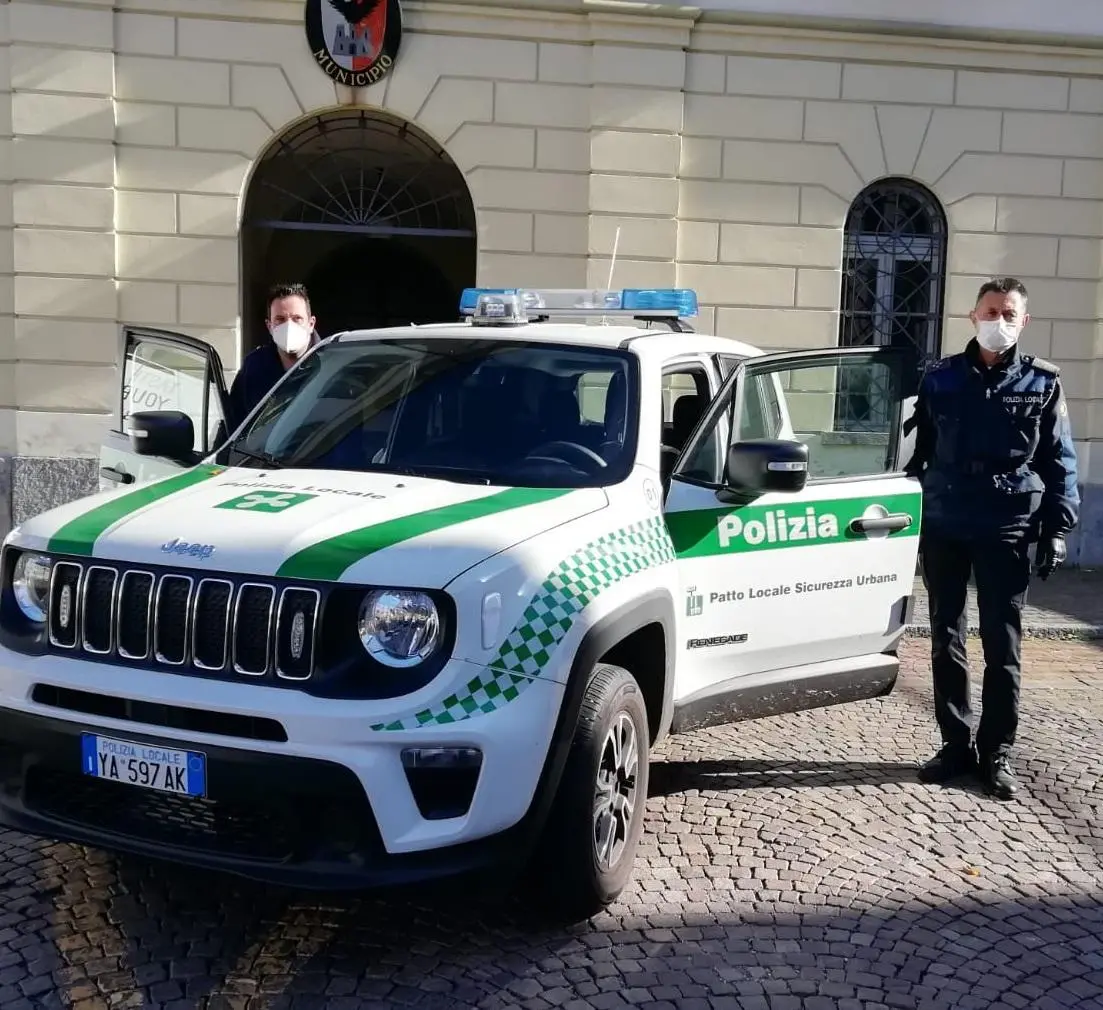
[(995, 456)]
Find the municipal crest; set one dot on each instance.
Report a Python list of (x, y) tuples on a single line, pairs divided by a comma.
[(355, 42)]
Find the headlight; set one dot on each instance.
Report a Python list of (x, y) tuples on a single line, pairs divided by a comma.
[(399, 627), (31, 585)]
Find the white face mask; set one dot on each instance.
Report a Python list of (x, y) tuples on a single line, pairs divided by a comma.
[(291, 338), (997, 335)]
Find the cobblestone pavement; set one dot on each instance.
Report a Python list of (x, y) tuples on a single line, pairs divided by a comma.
[(1069, 604), (789, 863)]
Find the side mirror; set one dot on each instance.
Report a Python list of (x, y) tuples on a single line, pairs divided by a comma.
[(167, 433), (761, 465)]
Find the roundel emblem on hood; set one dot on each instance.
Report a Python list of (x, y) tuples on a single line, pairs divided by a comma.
[(355, 42), (298, 635)]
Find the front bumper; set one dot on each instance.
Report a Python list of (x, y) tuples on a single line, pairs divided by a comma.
[(285, 820), (301, 790)]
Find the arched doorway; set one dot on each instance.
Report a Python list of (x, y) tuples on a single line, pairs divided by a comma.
[(366, 210)]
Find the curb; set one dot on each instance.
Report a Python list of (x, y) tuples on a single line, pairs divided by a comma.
[(1057, 632)]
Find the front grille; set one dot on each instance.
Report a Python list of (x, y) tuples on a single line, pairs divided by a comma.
[(211, 629), (64, 586), (295, 634), (170, 619), (97, 626), (210, 625), (252, 628), (134, 614)]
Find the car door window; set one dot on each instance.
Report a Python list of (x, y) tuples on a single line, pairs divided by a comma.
[(760, 414), (162, 376), (704, 462), (847, 412)]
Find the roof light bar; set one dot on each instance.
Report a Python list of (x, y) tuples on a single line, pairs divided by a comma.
[(674, 303), (496, 309)]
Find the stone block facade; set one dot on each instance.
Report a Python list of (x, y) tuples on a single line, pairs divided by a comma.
[(727, 156)]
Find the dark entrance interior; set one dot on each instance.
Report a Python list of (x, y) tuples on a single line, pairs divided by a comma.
[(367, 211)]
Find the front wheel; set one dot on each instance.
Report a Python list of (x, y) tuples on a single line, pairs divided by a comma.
[(594, 827)]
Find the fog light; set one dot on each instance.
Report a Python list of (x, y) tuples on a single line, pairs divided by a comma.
[(442, 757), (442, 779)]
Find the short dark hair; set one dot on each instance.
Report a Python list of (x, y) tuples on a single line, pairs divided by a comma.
[(1002, 286), (288, 290)]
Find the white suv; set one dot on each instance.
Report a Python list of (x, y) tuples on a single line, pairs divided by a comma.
[(440, 595)]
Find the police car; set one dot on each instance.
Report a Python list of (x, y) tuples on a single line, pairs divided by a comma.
[(432, 606)]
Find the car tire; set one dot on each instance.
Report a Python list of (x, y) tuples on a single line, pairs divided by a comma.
[(594, 827)]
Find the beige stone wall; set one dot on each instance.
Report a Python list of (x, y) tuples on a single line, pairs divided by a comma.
[(63, 342), (727, 157), (783, 130)]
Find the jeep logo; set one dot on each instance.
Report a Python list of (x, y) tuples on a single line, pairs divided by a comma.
[(182, 547)]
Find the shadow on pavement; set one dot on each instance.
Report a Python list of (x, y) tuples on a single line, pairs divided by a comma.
[(668, 777), (155, 937), (1077, 593), (1071, 600)]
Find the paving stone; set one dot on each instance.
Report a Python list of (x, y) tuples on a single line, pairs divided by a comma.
[(1068, 605), (792, 862)]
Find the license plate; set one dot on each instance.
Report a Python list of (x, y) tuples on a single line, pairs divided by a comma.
[(161, 769)]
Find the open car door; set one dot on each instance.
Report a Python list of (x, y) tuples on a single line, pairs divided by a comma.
[(163, 371), (796, 527)]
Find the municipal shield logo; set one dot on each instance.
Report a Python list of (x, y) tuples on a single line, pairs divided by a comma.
[(355, 42)]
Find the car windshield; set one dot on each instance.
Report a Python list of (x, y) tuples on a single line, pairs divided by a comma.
[(519, 414)]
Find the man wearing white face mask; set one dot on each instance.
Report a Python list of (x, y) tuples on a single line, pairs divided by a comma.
[(291, 327), (994, 452)]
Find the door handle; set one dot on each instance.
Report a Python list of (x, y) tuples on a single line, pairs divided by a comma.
[(882, 524), (116, 476)]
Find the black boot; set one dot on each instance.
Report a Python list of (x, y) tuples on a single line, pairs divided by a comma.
[(949, 763), (999, 778)]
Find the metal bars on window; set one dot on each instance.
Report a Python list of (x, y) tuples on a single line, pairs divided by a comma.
[(894, 271)]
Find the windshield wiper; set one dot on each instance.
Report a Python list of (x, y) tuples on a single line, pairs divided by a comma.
[(261, 457), (447, 473)]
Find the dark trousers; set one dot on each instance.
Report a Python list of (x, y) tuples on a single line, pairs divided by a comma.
[(1001, 572)]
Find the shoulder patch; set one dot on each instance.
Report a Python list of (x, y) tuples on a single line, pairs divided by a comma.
[(941, 363), (1045, 366)]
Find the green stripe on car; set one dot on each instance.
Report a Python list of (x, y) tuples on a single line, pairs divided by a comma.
[(708, 532), (79, 535), (328, 560)]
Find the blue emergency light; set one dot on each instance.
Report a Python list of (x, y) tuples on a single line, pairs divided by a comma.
[(674, 303)]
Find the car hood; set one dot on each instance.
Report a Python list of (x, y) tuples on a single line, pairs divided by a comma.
[(334, 526)]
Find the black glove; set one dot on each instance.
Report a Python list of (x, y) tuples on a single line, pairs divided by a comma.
[(1050, 554)]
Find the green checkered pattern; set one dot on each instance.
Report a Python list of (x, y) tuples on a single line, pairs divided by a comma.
[(529, 647)]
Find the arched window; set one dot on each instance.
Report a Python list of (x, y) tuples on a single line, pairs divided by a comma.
[(894, 278), (369, 212)]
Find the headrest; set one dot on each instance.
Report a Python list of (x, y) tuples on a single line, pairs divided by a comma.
[(687, 412), (616, 407), (559, 407)]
